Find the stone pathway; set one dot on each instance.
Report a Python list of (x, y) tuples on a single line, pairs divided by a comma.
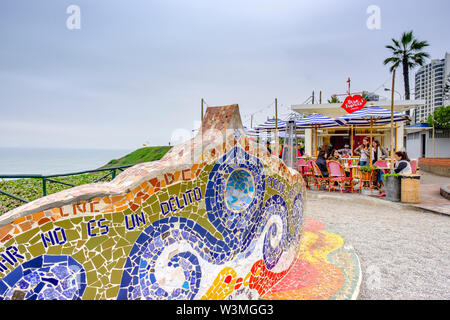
[(430, 197), (403, 251)]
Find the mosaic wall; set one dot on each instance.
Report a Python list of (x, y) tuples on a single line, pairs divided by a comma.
[(216, 218)]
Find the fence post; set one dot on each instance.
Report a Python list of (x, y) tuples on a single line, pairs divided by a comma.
[(113, 173), (44, 187)]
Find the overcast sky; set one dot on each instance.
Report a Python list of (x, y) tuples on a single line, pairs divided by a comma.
[(137, 70)]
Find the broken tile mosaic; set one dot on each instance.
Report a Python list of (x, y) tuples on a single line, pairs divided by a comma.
[(216, 218)]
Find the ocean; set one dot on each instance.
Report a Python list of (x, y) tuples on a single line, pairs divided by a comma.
[(54, 161)]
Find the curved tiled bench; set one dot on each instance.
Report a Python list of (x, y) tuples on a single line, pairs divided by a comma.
[(218, 217)]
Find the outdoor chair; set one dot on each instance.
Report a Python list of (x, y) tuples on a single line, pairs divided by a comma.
[(337, 174), (366, 180), (413, 164), (319, 179), (301, 163), (308, 173), (383, 164)]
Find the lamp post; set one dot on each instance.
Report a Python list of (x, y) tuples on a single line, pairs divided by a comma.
[(392, 120), (387, 89)]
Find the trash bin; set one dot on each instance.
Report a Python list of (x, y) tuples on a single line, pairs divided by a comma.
[(392, 186), (410, 188)]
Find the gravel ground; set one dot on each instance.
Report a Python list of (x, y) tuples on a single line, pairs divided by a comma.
[(404, 254)]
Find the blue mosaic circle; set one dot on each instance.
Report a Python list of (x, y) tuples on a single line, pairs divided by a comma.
[(240, 190), (46, 277), (239, 225)]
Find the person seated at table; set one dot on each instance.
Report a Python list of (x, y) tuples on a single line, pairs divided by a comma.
[(363, 152), (268, 147), (335, 156), (345, 151), (402, 165), (322, 163), (378, 152)]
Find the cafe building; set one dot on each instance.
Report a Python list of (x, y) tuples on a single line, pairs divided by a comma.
[(352, 136)]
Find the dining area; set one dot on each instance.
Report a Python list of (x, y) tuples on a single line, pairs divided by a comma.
[(357, 161), (347, 175)]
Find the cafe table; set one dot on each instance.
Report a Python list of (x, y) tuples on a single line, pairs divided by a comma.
[(302, 167)]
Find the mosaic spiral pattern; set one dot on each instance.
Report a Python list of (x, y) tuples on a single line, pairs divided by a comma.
[(276, 239), (238, 228), (139, 280), (46, 277), (297, 213)]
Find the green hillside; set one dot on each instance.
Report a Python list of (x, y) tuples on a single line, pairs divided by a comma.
[(145, 154)]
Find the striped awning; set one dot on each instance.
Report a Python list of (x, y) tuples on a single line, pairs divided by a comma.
[(258, 134), (316, 120), (373, 114), (267, 134), (270, 125)]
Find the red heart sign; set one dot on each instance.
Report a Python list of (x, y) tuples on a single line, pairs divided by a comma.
[(352, 104)]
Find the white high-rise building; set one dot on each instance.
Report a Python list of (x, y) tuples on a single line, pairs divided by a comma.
[(430, 84)]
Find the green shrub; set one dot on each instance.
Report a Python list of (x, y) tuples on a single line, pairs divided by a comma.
[(367, 169), (396, 175)]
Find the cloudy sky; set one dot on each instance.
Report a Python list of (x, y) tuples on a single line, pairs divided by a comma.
[(136, 70)]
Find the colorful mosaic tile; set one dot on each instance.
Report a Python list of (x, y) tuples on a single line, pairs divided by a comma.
[(218, 217)]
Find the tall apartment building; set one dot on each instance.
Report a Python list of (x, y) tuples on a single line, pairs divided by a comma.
[(430, 83)]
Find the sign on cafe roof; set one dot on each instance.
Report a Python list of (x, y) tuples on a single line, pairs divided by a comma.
[(353, 103)]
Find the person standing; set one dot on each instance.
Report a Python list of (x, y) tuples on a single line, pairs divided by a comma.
[(378, 152), (363, 152)]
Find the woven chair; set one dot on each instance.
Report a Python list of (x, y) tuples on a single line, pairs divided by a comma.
[(319, 179), (366, 180), (413, 164), (337, 174), (381, 163), (308, 173), (301, 162)]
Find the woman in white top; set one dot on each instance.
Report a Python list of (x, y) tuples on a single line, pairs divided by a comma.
[(402, 165), (363, 152)]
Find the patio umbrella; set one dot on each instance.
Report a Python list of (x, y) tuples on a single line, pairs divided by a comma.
[(258, 134), (270, 124), (316, 121), (268, 134), (371, 115)]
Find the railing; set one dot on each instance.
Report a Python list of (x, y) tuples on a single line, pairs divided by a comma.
[(48, 178)]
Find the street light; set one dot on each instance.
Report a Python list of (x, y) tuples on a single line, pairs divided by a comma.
[(387, 89)]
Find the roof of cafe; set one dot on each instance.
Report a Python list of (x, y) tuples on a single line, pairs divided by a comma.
[(334, 110)]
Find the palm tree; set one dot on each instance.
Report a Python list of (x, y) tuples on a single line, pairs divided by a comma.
[(334, 99), (408, 52), (365, 96)]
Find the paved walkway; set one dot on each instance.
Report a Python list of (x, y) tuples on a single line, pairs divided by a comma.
[(430, 197), (403, 250)]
